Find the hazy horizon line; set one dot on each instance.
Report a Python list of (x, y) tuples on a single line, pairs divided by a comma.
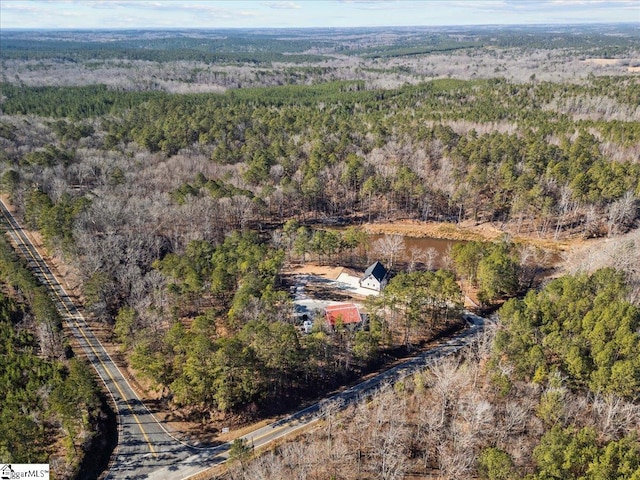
[(375, 27)]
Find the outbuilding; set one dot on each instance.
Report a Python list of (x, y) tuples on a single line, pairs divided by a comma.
[(347, 313)]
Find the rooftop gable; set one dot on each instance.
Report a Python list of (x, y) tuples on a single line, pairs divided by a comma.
[(377, 270)]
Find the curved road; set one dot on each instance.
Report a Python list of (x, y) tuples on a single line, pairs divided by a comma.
[(313, 413), (146, 449)]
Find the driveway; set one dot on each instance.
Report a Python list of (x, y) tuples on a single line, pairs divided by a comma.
[(304, 305), (351, 284)]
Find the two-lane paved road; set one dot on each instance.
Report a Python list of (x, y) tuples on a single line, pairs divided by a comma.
[(144, 445), (145, 448), (313, 413)]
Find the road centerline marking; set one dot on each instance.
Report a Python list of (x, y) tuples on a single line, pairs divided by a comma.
[(70, 318)]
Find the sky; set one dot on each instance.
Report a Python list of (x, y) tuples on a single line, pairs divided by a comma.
[(124, 14)]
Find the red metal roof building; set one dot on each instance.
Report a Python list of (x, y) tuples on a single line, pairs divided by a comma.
[(347, 313)]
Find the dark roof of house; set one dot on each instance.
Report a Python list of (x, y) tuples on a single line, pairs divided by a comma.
[(377, 270), (346, 312)]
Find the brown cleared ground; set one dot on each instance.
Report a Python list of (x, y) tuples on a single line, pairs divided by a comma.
[(468, 231), (312, 268), (449, 231), (603, 61)]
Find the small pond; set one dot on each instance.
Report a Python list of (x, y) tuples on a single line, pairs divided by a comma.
[(421, 249)]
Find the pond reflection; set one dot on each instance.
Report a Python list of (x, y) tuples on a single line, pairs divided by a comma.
[(430, 253)]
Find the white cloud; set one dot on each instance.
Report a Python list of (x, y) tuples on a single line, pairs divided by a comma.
[(19, 7), (389, 5), (576, 2), (283, 5), (248, 14), (485, 4)]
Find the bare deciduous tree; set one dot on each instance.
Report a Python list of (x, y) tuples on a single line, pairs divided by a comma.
[(389, 248), (621, 214)]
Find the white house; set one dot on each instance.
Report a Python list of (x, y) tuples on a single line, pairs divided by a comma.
[(375, 277)]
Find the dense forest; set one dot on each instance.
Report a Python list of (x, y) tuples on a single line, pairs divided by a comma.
[(50, 408), (181, 175), (521, 404), (355, 156)]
